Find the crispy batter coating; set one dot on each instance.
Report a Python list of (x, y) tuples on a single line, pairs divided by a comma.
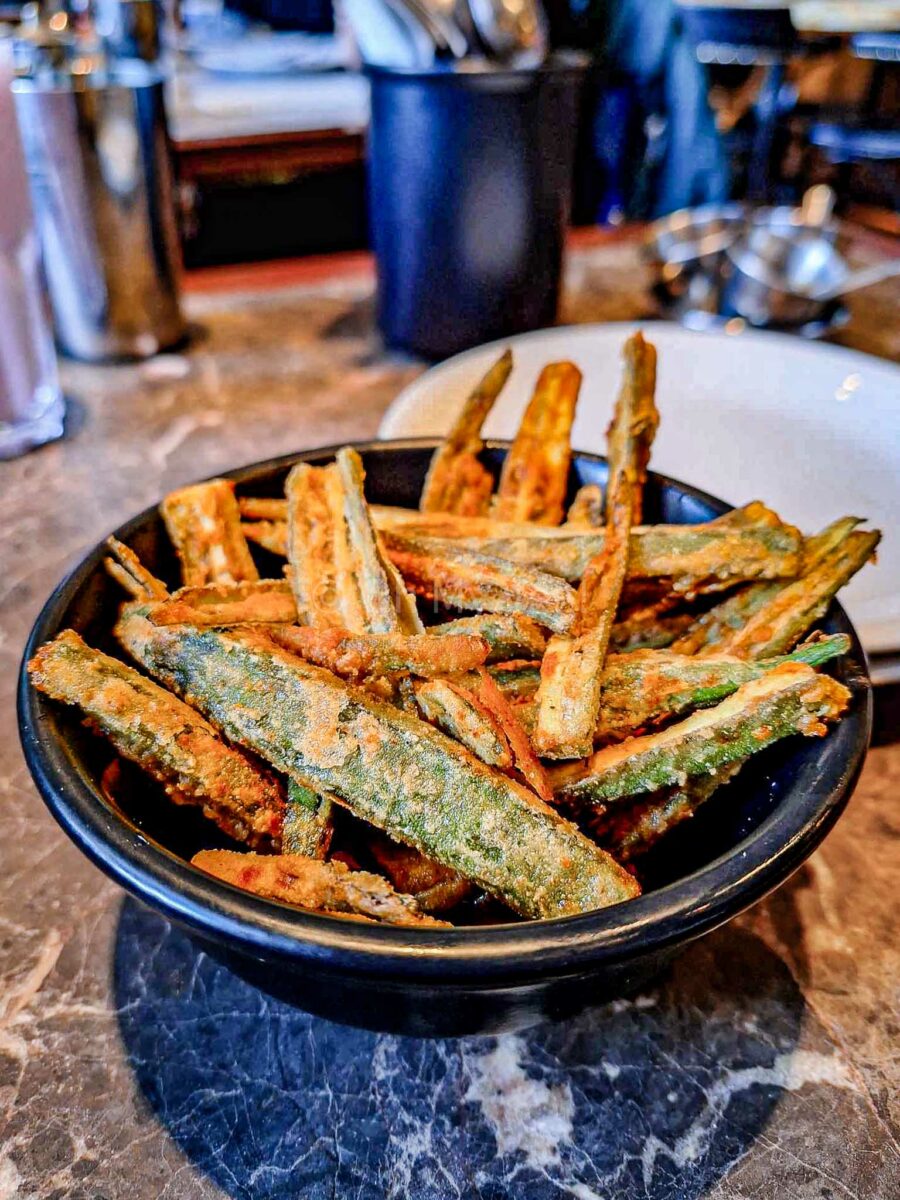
[(508, 635), (307, 883), (572, 669), (388, 767), (523, 757), (204, 524), (786, 616), (457, 482), (535, 473), (461, 578), (586, 510), (169, 740), (694, 559), (127, 569), (460, 713), (356, 656), (709, 632), (260, 602), (339, 571), (790, 699)]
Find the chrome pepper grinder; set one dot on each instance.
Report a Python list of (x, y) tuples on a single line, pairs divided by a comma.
[(97, 149)]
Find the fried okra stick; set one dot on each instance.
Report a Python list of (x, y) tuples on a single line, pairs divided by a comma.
[(456, 481), (355, 656), (204, 524), (696, 558), (508, 635), (169, 740), (325, 887), (389, 768), (586, 510), (780, 622), (568, 698), (434, 887), (127, 569), (459, 578), (648, 686), (459, 713), (630, 830), (319, 559), (789, 699), (262, 508), (535, 472), (308, 824), (271, 535), (262, 602), (525, 760), (710, 632), (388, 606), (339, 572)]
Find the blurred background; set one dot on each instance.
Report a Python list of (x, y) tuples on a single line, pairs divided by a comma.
[(744, 154), (686, 103)]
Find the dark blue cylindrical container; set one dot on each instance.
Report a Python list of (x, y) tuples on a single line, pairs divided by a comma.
[(469, 192)]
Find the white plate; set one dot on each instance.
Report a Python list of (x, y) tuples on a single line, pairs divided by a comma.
[(813, 430)]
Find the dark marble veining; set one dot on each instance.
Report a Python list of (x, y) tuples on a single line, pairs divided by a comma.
[(132, 1066)]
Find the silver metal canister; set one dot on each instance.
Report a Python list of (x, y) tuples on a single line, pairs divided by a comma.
[(101, 181)]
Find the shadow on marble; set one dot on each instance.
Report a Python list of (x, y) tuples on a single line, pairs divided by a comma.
[(653, 1097)]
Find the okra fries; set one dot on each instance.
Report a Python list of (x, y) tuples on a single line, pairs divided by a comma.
[(568, 699), (320, 887), (397, 772), (600, 670), (535, 472), (204, 523), (457, 482), (173, 743), (695, 558)]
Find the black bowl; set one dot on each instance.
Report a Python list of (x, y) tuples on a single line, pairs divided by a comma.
[(744, 842)]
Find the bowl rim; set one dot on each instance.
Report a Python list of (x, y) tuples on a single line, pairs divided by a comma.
[(518, 952)]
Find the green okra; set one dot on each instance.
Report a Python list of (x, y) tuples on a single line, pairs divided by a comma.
[(517, 681), (457, 482), (790, 699), (445, 572), (568, 699), (647, 686), (164, 736), (328, 887), (509, 635), (629, 830), (711, 633), (389, 768), (698, 558), (785, 617), (651, 628), (308, 823), (457, 712)]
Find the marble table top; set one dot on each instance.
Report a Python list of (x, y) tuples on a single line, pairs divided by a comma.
[(132, 1067)]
